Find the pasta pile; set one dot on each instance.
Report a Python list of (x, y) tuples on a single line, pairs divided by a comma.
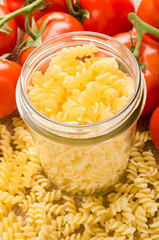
[(79, 87), (31, 209)]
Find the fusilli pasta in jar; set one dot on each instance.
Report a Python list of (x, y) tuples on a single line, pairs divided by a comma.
[(82, 109)]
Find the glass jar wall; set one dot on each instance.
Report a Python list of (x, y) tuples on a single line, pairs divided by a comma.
[(90, 158)]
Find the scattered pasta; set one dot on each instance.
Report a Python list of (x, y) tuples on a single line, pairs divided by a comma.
[(30, 208)]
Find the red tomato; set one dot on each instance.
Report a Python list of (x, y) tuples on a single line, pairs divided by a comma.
[(7, 41), (23, 55), (149, 54), (154, 127), (107, 16), (9, 74), (54, 5), (148, 11), (60, 23)]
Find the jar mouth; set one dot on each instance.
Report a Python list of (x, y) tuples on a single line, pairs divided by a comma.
[(36, 119)]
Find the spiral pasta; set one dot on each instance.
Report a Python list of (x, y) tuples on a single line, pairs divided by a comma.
[(122, 229), (76, 84), (49, 197), (39, 211), (11, 225), (61, 164), (117, 206), (80, 88), (5, 147), (141, 219)]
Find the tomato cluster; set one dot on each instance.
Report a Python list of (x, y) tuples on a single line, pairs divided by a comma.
[(110, 20), (51, 5), (148, 12), (9, 70), (54, 17)]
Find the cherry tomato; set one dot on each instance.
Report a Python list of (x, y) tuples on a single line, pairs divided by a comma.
[(53, 5), (7, 41), (60, 23), (9, 74), (149, 54), (154, 127), (107, 16), (148, 11)]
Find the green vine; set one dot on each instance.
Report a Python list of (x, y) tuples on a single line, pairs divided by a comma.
[(28, 9), (141, 28)]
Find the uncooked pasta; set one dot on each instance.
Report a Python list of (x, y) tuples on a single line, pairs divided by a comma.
[(79, 87), (30, 208)]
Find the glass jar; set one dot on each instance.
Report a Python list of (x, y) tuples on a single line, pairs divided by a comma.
[(82, 159)]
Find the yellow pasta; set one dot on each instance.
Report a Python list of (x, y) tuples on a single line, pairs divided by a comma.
[(80, 88), (31, 208), (41, 212), (84, 170)]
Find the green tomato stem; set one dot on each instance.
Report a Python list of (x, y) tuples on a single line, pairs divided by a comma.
[(4, 57), (71, 11), (27, 9), (138, 44), (141, 28), (27, 26), (77, 12)]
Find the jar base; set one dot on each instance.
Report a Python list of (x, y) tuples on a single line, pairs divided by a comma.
[(101, 193)]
